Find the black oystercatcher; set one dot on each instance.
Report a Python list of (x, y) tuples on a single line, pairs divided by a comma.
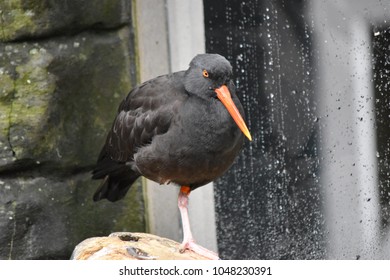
[(182, 128)]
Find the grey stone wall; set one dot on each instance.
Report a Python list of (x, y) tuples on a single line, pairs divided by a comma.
[(64, 67)]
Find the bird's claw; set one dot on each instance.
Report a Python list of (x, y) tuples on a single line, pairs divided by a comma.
[(191, 245)]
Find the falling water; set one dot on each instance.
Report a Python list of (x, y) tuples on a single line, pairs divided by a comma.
[(313, 77), (268, 205)]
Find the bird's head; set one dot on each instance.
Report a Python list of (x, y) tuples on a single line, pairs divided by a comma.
[(206, 73), (209, 75)]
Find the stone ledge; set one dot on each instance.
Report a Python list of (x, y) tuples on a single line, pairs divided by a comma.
[(131, 246)]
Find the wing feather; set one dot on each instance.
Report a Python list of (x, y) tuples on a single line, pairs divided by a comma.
[(142, 115)]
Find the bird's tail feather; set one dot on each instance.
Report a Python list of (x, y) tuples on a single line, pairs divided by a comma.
[(117, 179)]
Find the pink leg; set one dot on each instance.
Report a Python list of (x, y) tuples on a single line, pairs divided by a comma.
[(188, 240)]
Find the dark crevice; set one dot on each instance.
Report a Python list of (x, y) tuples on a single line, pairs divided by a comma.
[(96, 28), (48, 169), (128, 237)]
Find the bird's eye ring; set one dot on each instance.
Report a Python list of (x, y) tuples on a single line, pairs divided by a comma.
[(205, 73)]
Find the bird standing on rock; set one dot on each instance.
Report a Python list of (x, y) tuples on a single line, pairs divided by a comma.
[(182, 128)]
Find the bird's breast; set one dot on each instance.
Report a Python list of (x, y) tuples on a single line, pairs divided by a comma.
[(200, 145), (210, 126)]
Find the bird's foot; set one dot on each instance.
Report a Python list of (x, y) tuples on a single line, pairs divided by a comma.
[(191, 245)]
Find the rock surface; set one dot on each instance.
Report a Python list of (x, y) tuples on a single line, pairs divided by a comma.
[(64, 68), (21, 19), (60, 96), (44, 217), (131, 246)]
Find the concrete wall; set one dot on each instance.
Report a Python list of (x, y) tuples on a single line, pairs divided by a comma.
[(169, 34)]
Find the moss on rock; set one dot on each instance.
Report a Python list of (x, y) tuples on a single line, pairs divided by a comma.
[(58, 98), (14, 19), (34, 88), (43, 217), (61, 97), (30, 18)]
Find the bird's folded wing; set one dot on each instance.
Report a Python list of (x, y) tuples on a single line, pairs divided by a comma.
[(144, 114)]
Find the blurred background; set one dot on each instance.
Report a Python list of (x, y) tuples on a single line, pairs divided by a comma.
[(313, 77)]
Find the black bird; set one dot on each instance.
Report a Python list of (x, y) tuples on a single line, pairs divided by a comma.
[(182, 128)]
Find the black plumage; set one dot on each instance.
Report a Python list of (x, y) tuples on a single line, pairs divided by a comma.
[(173, 128)]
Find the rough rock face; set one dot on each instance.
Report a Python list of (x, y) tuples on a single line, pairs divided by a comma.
[(45, 216), (64, 67), (21, 19), (131, 246), (59, 95)]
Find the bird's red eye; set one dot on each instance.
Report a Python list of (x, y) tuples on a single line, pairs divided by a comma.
[(205, 73)]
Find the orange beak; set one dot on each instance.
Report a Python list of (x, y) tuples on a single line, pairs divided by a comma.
[(223, 94)]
